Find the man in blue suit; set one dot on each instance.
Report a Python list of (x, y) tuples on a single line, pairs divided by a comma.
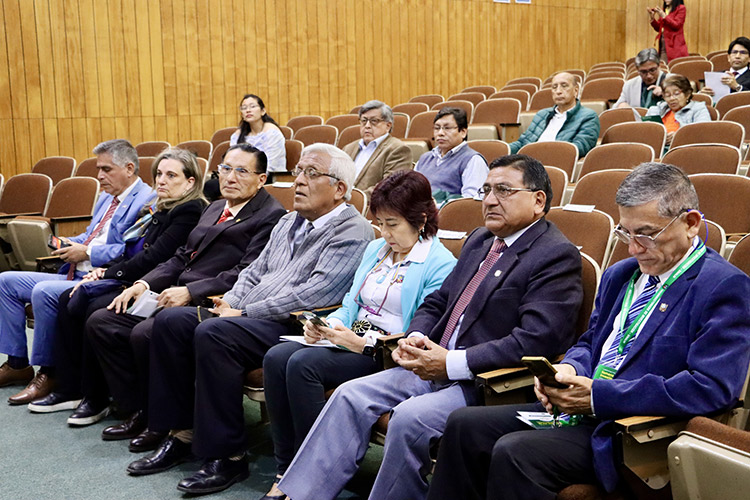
[(116, 210), (515, 290), (670, 336)]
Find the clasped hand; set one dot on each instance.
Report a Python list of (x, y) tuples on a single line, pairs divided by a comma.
[(223, 310), (171, 297), (423, 357), (573, 400), (93, 275)]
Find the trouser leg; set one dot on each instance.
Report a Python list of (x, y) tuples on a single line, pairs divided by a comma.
[(15, 293), (44, 301)]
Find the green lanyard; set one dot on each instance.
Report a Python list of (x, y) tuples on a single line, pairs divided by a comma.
[(699, 251)]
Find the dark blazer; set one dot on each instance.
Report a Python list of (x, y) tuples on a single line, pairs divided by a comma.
[(689, 359), (208, 264), (168, 230), (527, 305), (744, 80)]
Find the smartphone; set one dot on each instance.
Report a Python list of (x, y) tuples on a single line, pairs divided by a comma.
[(56, 243), (543, 370), (314, 319)]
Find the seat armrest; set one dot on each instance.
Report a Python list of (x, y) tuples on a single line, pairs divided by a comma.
[(48, 264), (510, 132), (320, 311), (506, 386), (72, 225), (384, 347)]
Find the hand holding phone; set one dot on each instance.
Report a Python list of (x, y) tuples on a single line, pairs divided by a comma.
[(56, 243), (315, 319), (543, 370)]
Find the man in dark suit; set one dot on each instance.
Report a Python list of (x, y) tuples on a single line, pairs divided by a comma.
[(737, 77), (378, 154), (230, 235), (515, 290), (670, 335)]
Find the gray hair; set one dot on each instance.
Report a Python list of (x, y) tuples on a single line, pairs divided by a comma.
[(341, 166), (645, 56), (385, 111), (658, 181), (121, 150)]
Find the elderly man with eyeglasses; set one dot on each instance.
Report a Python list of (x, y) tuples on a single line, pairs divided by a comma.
[(643, 90), (515, 290), (377, 154), (670, 335), (199, 357)]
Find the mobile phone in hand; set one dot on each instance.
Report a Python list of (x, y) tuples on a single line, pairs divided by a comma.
[(543, 370), (56, 243), (315, 319)]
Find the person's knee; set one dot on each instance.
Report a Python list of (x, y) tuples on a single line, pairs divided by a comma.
[(459, 420), (96, 324), (508, 449), (141, 334)]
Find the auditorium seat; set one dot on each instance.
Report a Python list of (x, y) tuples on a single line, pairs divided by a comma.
[(420, 127), (284, 194), (723, 199), (679, 60), (56, 168), (559, 181), (490, 149), (342, 121), (720, 62), (591, 232), (598, 189), (348, 135), (596, 92), (311, 134), (720, 132), (610, 117), (487, 90), (429, 99), (535, 80), (297, 122), (286, 131), (151, 148), (704, 158), (496, 119), (293, 150), (616, 155), (201, 149), (731, 101), (521, 95), (693, 70), (87, 168), (559, 154), (355, 110), (400, 125), (473, 97), (740, 256), (541, 100), (461, 214), (467, 106), (144, 169), (25, 194), (528, 87), (411, 108), (359, 200), (217, 156), (649, 133), (222, 135)]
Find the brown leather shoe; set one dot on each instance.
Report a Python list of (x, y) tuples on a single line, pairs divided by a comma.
[(11, 376), (39, 387)]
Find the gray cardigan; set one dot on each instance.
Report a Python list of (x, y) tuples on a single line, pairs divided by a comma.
[(692, 112), (320, 273)]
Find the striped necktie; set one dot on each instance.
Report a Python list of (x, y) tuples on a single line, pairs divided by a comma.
[(97, 230), (226, 214)]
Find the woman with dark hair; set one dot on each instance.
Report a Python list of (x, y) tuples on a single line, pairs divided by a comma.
[(669, 21), (260, 130), (678, 108), (397, 272)]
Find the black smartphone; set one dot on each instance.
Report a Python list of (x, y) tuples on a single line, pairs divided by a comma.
[(56, 243), (543, 370), (314, 319)]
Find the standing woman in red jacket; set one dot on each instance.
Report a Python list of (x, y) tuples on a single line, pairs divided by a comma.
[(668, 21)]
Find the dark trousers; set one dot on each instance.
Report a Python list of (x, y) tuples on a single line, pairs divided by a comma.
[(198, 371), (78, 370), (296, 379), (121, 343), (486, 452)]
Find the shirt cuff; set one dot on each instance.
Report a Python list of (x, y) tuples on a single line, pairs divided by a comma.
[(416, 334), (333, 321), (142, 283), (88, 251), (457, 366)]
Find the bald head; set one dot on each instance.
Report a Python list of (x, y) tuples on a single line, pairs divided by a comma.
[(564, 91)]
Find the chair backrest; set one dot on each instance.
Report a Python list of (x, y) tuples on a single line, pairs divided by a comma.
[(704, 158), (591, 275), (400, 125), (590, 231), (558, 154), (705, 99), (462, 214), (25, 194), (720, 132), (74, 196), (221, 135), (487, 90), (348, 135), (56, 168), (317, 133), (283, 194), (609, 117), (297, 122), (144, 169), (740, 256), (498, 111), (454, 245), (598, 189), (650, 133), (723, 199), (541, 100), (716, 52), (679, 60), (201, 149), (429, 99), (599, 75), (420, 126), (467, 106), (558, 179), (730, 101), (359, 200), (528, 87), (473, 97), (411, 108), (535, 80), (203, 167), (720, 61), (217, 155), (741, 115), (490, 149), (286, 131), (606, 89), (355, 110), (581, 74), (617, 155), (293, 150), (343, 121), (607, 64), (519, 94), (692, 70), (151, 148), (87, 168)]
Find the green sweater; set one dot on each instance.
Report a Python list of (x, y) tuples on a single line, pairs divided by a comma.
[(581, 128)]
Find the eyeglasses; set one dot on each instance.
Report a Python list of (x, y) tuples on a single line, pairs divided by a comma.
[(739, 52), (501, 192), (648, 71), (239, 171), (248, 107), (373, 121), (647, 242), (676, 94), (438, 128), (311, 173)]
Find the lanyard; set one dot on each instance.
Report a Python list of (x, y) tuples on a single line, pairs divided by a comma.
[(699, 251)]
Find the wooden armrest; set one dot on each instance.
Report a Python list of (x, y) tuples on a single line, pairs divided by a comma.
[(5, 218), (384, 346), (510, 132), (388, 340), (320, 311), (48, 258), (48, 264)]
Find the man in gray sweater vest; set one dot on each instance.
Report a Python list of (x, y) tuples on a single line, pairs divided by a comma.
[(199, 356)]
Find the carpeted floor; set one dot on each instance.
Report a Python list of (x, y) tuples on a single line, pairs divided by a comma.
[(44, 459)]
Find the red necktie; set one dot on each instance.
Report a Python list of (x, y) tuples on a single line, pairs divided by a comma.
[(735, 73), (98, 229), (224, 216), (463, 301)]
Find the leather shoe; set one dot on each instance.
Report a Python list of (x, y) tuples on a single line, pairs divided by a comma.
[(171, 452), (55, 401), (39, 387), (11, 376), (146, 441), (88, 412), (216, 475), (127, 429)]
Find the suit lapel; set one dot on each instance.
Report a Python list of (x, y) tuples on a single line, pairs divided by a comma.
[(375, 154), (124, 207)]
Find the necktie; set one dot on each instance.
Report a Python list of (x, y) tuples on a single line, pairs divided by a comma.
[(635, 308), (98, 229), (735, 74), (224, 216), (463, 301), (300, 237)]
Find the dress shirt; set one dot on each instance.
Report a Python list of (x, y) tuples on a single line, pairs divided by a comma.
[(739, 72), (236, 209), (474, 174), (554, 126), (317, 223), (366, 152)]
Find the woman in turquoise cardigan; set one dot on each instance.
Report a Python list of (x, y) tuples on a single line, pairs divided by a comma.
[(395, 275)]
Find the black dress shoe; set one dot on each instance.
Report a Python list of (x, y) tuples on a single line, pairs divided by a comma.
[(55, 401), (171, 452), (146, 441), (88, 412), (128, 429), (216, 475)]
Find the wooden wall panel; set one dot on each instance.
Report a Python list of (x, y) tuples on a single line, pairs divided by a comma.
[(76, 72)]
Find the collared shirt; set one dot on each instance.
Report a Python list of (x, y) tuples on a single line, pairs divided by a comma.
[(235, 209), (554, 126), (474, 174), (301, 227), (648, 98), (366, 152)]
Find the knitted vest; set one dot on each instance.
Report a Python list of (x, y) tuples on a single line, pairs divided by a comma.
[(447, 176)]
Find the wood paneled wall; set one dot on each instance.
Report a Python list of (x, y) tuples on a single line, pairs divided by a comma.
[(75, 72)]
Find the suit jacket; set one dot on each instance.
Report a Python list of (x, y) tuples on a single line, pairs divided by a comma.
[(671, 28), (527, 305), (744, 80), (390, 156), (689, 359), (214, 254)]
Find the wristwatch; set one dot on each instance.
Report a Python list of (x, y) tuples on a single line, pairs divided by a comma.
[(369, 348)]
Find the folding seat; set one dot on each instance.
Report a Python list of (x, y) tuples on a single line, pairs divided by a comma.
[(723, 199), (87, 168), (693, 70), (720, 132), (201, 149), (221, 135), (559, 181), (473, 97), (535, 80), (616, 155), (528, 87), (287, 131), (429, 99), (151, 148), (720, 62), (359, 200), (144, 169), (467, 106), (496, 119), (347, 136), (293, 149), (400, 125), (591, 232), (704, 158), (284, 194), (297, 122), (649, 133), (487, 90), (317, 133), (461, 214), (56, 168), (411, 108), (342, 121), (490, 149), (521, 95), (600, 94), (731, 101), (609, 117), (559, 154), (598, 189), (217, 156)]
